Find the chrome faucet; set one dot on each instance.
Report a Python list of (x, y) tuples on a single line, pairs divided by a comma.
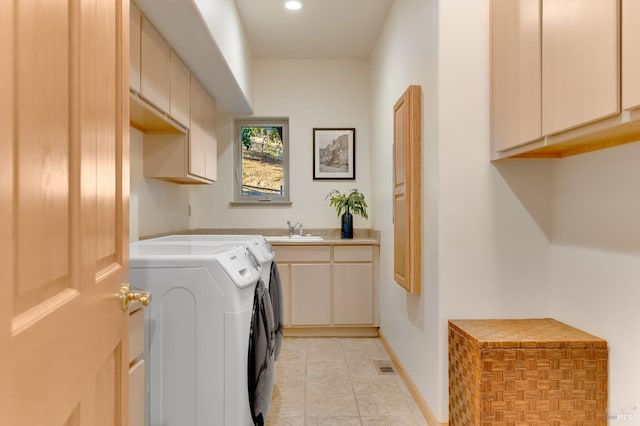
[(292, 228)]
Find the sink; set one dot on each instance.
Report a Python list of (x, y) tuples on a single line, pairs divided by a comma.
[(294, 238)]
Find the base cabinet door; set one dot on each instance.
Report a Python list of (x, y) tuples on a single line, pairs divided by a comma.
[(353, 294), (284, 270), (310, 294)]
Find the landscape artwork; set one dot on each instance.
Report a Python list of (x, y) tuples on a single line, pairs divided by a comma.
[(334, 154)]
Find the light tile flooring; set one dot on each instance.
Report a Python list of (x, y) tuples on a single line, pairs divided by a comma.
[(334, 382)]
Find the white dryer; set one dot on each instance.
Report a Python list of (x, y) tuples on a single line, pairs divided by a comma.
[(261, 249), (210, 349), (257, 245)]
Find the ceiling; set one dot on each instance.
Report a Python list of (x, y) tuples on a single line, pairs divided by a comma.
[(322, 29)]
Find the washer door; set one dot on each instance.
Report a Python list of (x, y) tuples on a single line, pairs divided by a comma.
[(261, 355)]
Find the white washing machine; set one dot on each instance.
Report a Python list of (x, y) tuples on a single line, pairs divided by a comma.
[(256, 244), (264, 254), (210, 344)]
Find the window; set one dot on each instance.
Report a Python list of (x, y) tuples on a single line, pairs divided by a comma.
[(262, 155)]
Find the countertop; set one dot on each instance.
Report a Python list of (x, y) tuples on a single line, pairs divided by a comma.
[(331, 236)]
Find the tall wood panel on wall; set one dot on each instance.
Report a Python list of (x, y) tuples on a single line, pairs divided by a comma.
[(407, 189)]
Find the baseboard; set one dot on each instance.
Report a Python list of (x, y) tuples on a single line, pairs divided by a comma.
[(298, 331), (413, 389)]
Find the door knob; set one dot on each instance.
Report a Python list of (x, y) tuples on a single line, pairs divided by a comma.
[(128, 294)]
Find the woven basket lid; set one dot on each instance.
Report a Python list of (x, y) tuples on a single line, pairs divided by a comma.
[(525, 333)]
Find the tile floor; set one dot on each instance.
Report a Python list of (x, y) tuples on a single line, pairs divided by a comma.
[(334, 382)]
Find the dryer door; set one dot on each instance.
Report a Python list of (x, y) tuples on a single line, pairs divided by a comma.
[(261, 355), (275, 290)]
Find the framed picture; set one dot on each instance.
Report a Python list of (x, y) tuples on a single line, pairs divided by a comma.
[(334, 154)]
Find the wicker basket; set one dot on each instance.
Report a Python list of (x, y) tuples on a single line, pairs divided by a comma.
[(525, 372)]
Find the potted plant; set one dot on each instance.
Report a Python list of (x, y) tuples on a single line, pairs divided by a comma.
[(345, 205)]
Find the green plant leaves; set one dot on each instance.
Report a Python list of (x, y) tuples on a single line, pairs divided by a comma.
[(352, 202)]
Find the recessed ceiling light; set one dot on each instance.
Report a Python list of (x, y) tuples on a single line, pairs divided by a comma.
[(293, 4)]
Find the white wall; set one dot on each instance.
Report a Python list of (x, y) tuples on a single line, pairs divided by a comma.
[(595, 259), (155, 206), (312, 93), (486, 227)]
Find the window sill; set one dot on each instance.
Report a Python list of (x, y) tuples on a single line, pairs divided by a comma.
[(256, 203)]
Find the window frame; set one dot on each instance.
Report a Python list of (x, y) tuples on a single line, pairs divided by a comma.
[(238, 198)]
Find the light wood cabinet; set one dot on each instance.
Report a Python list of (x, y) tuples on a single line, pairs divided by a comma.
[(179, 89), (630, 54), (516, 77), (135, 21), (203, 142), (578, 88), (353, 285), (189, 158), (329, 289), (172, 108), (311, 294), (154, 66), (407, 193), (580, 63), (284, 270)]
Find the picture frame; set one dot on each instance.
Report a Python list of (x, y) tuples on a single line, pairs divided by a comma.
[(334, 153)]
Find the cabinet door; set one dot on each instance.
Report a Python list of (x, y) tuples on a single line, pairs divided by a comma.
[(407, 162), (211, 142), (154, 66), (197, 132), (284, 269), (515, 81), (580, 68), (310, 294), (179, 86), (134, 52), (630, 54), (353, 293)]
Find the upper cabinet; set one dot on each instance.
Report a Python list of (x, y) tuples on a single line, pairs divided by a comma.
[(630, 54), (556, 73), (203, 143), (179, 86), (516, 88), (580, 62), (154, 67), (168, 104), (135, 20)]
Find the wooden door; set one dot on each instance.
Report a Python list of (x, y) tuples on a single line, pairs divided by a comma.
[(64, 184), (6, 198), (407, 190)]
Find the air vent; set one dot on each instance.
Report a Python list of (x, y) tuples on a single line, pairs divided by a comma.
[(384, 367)]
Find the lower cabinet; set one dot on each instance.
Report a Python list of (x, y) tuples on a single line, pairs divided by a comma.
[(311, 294), (353, 293), (329, 290)]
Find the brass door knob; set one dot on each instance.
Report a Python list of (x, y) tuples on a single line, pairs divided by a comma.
[(128, 294)]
